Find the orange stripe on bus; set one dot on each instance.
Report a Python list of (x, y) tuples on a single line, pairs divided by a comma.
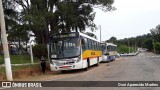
[(91, 57)]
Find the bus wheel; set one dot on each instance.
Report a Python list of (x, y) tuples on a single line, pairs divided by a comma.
[(97, 61), (114, 58), (85, 69)]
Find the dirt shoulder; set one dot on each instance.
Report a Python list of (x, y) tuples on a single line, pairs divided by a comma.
[(36, 74)]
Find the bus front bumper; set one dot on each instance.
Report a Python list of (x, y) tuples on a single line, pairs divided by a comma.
[(65, 67)]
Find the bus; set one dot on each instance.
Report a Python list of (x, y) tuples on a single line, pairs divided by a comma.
[(109, 51), (73, 50)]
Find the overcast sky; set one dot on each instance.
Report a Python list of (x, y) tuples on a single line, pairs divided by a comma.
[(132, 18)]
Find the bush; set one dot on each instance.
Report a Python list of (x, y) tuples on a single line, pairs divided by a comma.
[(40, 50), (157, 47), (123, 49)]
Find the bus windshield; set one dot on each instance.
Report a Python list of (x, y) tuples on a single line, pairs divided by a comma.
[(104, 49), (65, 48)]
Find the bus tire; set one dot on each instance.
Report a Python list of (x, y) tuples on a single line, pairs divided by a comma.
[(114, 58), (85, 69), (109, 59), (97, 61)]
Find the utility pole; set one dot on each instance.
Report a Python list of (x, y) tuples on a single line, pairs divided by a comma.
[(100, 32), (99, 27), (5, 45)]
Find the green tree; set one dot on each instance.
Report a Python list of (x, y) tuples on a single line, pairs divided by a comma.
[(112, 40), (40, 50), (143, 41), (123, 49), (61, 15), (156, 33), (15, 29)]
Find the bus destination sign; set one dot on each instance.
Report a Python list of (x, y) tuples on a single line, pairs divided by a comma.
[(65, 35)]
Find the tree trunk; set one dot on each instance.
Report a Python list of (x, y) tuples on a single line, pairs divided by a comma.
[(19, 42)]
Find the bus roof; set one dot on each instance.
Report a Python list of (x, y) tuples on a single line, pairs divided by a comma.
[(111, 44), (81, 34), (84, 35)]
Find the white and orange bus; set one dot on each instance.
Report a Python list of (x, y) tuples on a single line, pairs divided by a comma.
[(73, 50)]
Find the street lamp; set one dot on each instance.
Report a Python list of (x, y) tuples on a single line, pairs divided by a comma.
[(100, 31)]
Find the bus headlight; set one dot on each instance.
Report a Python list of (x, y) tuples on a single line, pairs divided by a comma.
[(79, 59), (53, 56)]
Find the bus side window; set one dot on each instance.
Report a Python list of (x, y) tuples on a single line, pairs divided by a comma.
[(108, 48), (95, 48), (96, 44), (86, 43), (83, 44), (99, 46), (89, 44), (92, 44)]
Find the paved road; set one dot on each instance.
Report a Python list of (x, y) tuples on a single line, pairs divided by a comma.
[(144, 67)]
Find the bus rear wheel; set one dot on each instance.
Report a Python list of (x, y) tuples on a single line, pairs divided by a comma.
[(97, 61), (114, 58), (85, 69)]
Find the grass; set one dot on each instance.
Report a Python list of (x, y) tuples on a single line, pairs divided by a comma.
[(15, 68), (19, 59), (1, 59)]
